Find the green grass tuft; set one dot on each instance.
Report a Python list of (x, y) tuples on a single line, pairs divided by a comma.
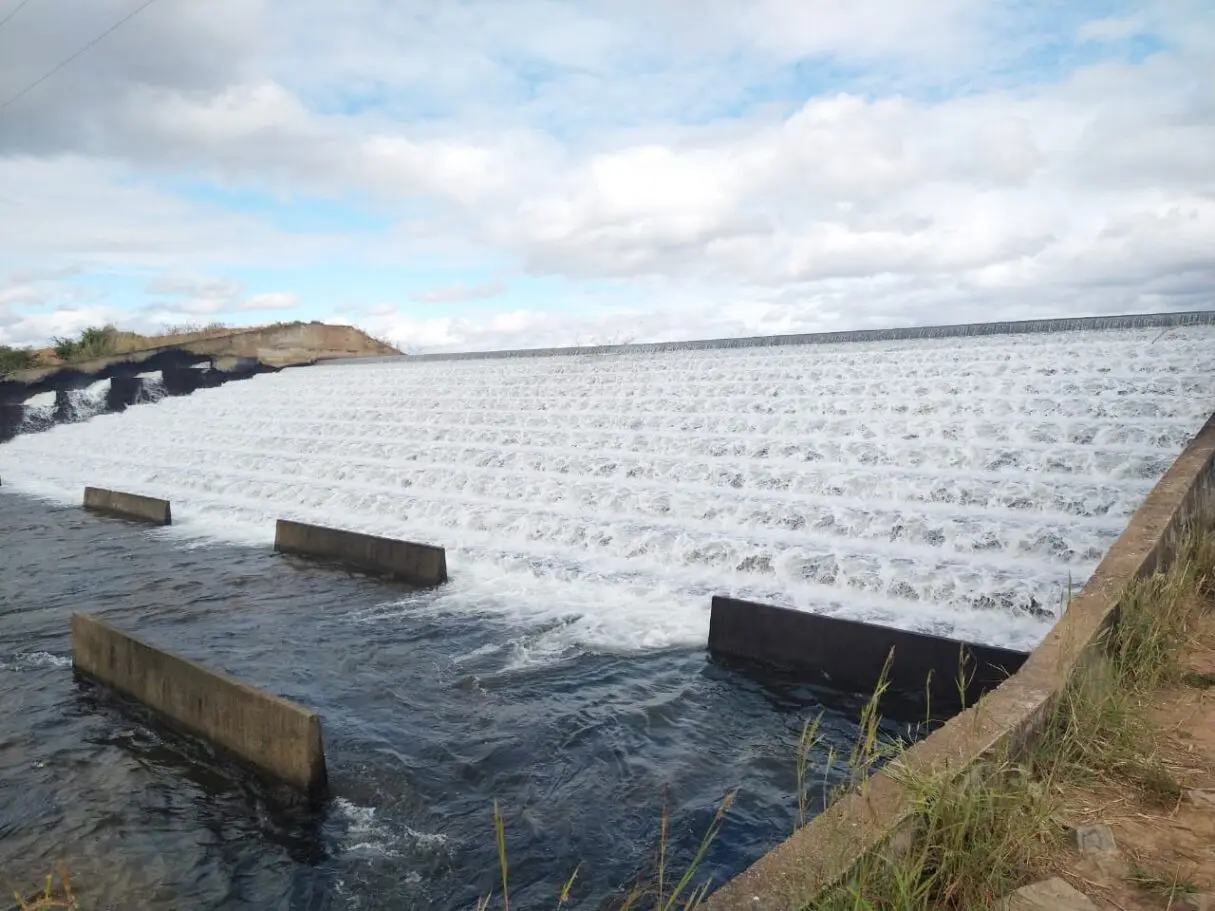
[(979, 836)]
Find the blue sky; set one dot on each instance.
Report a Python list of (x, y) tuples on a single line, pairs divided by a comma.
[(471, 174)]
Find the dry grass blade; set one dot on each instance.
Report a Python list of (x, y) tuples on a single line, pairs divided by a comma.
[(979, 836), (52, 898)]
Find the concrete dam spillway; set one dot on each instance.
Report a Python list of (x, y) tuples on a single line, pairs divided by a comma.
[(591, 506), (952, 486)]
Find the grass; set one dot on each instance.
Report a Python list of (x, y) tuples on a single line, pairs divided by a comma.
[(96, 341), (52, 898), (1166, 886), (979, 837), (109, 341), (14, 359), (663, 890)]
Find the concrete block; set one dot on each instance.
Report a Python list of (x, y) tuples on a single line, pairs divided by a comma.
[(417, 564), (852, 654), (271, 733), (128, 505)]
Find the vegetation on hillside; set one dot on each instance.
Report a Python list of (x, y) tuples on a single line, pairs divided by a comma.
[(101, 341), (109, 341), (95, 341), (14, 359)]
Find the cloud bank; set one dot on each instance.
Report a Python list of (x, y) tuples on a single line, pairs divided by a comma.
[(475, 174)]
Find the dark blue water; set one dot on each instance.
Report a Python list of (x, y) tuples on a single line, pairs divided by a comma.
[(426, 722)]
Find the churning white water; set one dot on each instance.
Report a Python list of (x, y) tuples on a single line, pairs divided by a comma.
[(950, 485)]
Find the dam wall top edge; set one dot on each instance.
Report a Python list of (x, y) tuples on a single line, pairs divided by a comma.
[(1172, 320)]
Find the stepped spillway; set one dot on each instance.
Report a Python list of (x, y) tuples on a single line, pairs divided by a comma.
[(954, 485)]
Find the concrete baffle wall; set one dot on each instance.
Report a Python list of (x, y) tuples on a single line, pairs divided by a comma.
[(852, 654), (417, 564), (128, 505), (269, 732)]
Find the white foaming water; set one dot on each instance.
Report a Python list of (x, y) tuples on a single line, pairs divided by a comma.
[(951, 485), (82, 404), (28, 661), (367, 835)]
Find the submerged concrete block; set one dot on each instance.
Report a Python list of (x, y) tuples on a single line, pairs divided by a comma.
[(417, 564), (128, 505), (273, 734), (852, 654)]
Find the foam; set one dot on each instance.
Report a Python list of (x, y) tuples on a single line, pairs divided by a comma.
[(369, 836), (28, 661), (952, 486)]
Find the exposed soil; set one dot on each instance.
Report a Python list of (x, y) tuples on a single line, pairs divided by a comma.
[(1165, 840)]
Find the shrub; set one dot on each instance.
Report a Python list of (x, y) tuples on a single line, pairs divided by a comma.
[(14, 359), (95, 341)]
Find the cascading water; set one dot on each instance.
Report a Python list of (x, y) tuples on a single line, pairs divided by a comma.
[(954, 486), (49, 408), (590, 505)]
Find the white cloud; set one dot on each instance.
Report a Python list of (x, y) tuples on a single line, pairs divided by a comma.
[(459, 291), (911, 165), (270, 300), (1112, 29)]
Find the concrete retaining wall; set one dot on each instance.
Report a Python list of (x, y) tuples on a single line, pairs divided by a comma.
[(276, 736), (417, 564), (824, 852), (128, 505), (852, 654)]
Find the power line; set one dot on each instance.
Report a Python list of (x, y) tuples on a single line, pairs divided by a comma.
[(14, 11), (37, 82)]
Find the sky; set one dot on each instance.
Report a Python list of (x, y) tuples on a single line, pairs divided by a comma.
[(478, 174)]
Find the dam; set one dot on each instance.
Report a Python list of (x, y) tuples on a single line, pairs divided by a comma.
[(591, 505)]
